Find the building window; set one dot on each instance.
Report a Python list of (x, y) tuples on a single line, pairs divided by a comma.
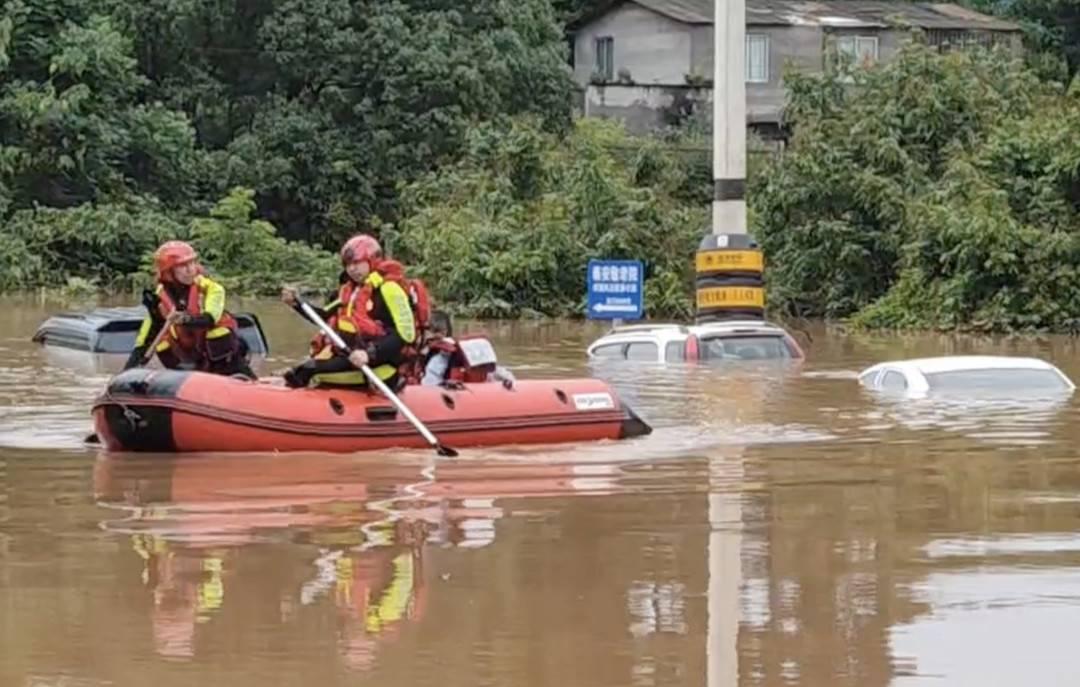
[(605, 58), (863, 50), (946, 40), (757, 58)]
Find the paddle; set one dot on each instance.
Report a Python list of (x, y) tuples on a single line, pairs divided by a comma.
[(148, 354), (378, 383)]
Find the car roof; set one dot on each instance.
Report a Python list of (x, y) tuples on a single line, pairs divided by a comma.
[(99, 317), (737, 327), (670, 331), (957, 363), (643, 332), (645, 327), (741, 326)]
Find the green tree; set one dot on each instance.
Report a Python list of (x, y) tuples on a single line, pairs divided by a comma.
[(1051, 27), (510, 228), (71, 124), (247, 254), (105, 244), (937, 190), (325, 106), (568, 10)]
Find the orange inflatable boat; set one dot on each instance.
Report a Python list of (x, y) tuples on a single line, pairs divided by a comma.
[(177, 411)]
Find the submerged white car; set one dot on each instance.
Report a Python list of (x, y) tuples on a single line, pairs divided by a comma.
[(966, 374), (730, 341)]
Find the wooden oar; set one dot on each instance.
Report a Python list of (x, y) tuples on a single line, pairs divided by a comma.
[(148, 354)]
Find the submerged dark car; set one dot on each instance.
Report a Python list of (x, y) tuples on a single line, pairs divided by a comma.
[(113, 331)]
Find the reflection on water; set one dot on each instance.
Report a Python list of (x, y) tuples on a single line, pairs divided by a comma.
[(781, 526), (1015, 420), (373, 589), (363, 526), (1001, 611)]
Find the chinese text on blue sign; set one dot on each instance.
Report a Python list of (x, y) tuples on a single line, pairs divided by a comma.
[(616, 289)]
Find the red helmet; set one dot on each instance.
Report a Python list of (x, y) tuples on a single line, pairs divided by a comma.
[(360, 247), (172, 254)]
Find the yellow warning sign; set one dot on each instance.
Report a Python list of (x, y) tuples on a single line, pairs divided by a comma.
[(712, 260), (731, 297)]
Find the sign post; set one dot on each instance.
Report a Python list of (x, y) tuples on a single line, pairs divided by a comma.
[(616, 290)]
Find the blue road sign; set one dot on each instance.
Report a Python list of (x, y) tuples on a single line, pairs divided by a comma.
[(616, 290)]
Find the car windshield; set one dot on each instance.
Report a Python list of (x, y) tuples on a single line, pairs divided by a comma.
[(1001, 379), (116, 341), (744, 348)]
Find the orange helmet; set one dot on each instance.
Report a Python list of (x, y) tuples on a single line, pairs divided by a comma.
[(172, 254), (360, 247)]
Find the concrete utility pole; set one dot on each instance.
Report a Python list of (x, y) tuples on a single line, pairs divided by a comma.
[(729, 117), (728, 266), (728, 263)]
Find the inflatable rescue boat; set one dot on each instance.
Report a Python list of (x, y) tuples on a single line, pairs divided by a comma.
[(180, 411)]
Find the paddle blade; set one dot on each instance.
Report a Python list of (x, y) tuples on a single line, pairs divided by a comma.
[(445, 451)]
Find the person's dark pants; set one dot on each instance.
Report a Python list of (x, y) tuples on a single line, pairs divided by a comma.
[(301, 375), (226, 355)]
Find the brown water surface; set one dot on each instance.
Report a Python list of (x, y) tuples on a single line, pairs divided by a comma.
[(780, 526)]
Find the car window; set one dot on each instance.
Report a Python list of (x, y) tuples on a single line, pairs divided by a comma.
[(675, 351), (893, 381), (614, 350), (116, 342), (1003, 379), (744, 348), (642, 350)]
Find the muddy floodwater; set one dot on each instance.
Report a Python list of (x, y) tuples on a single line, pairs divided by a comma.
[(780, 526)]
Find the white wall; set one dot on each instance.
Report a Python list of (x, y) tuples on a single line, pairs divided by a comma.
[(653, 47)]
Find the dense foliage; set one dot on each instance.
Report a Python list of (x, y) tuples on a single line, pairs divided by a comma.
[(322, 107), (1051, 31), (932, 191), (110, 245), (509, 229), (935, 190)]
